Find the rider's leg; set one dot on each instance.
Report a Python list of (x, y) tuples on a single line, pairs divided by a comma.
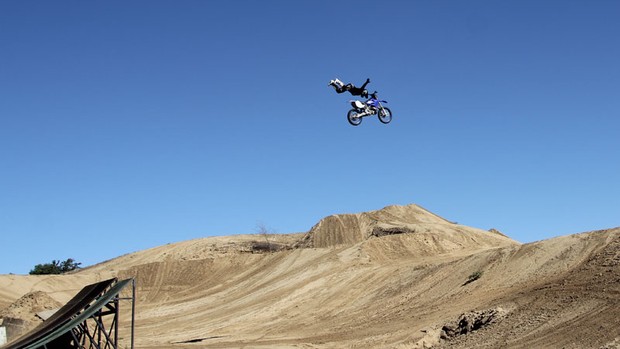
[(338, 85)]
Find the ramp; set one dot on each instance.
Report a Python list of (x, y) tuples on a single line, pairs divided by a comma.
[(80, 323)]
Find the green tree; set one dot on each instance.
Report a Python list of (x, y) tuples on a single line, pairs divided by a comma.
[(56, 267)]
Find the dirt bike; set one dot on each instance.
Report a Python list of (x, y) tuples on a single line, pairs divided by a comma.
[(372, 106)]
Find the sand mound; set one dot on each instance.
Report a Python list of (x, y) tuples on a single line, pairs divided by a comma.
[(21, 315), (392, 278), (354, 228), (29, 305), (400, 231)]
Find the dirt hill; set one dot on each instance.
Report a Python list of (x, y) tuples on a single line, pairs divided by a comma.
[(400, 277)]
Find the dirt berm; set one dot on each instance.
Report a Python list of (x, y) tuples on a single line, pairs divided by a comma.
[(400, 277)]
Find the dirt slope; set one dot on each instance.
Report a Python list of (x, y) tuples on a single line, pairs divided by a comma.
[(400, 277)]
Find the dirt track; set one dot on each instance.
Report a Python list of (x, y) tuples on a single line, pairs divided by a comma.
[(400, 277)]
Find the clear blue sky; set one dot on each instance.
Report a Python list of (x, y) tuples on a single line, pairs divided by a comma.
[(126, 125)]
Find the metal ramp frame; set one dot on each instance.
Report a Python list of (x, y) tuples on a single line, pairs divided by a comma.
[(88, 321), (100, 330)]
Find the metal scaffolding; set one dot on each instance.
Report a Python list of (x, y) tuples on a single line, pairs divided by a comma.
[(100, 330), (90, 320)]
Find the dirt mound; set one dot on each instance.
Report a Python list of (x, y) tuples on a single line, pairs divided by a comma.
[(445, 236), (200, 250), (354, 228), (21, 315), (573, 304), (29, 305), (392, 278)]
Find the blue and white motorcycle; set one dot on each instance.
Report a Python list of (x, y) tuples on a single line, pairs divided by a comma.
[(372, 106)]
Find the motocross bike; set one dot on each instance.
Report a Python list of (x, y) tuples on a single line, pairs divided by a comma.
[(372, 106)]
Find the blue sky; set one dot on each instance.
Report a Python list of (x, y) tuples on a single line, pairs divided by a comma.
[(126, 125)]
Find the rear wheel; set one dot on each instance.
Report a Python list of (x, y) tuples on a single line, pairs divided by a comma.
[(354, 118), (385, 115)]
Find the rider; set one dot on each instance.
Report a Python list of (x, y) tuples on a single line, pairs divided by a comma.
[(340, 87)]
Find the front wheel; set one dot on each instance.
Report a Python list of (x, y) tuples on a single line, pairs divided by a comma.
[(354, 118), (385, 115)]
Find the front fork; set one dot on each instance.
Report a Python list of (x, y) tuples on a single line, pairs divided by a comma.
[(379, 109)]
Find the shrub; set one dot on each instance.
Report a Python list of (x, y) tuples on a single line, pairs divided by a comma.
[(473, 277), (56, 267)]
